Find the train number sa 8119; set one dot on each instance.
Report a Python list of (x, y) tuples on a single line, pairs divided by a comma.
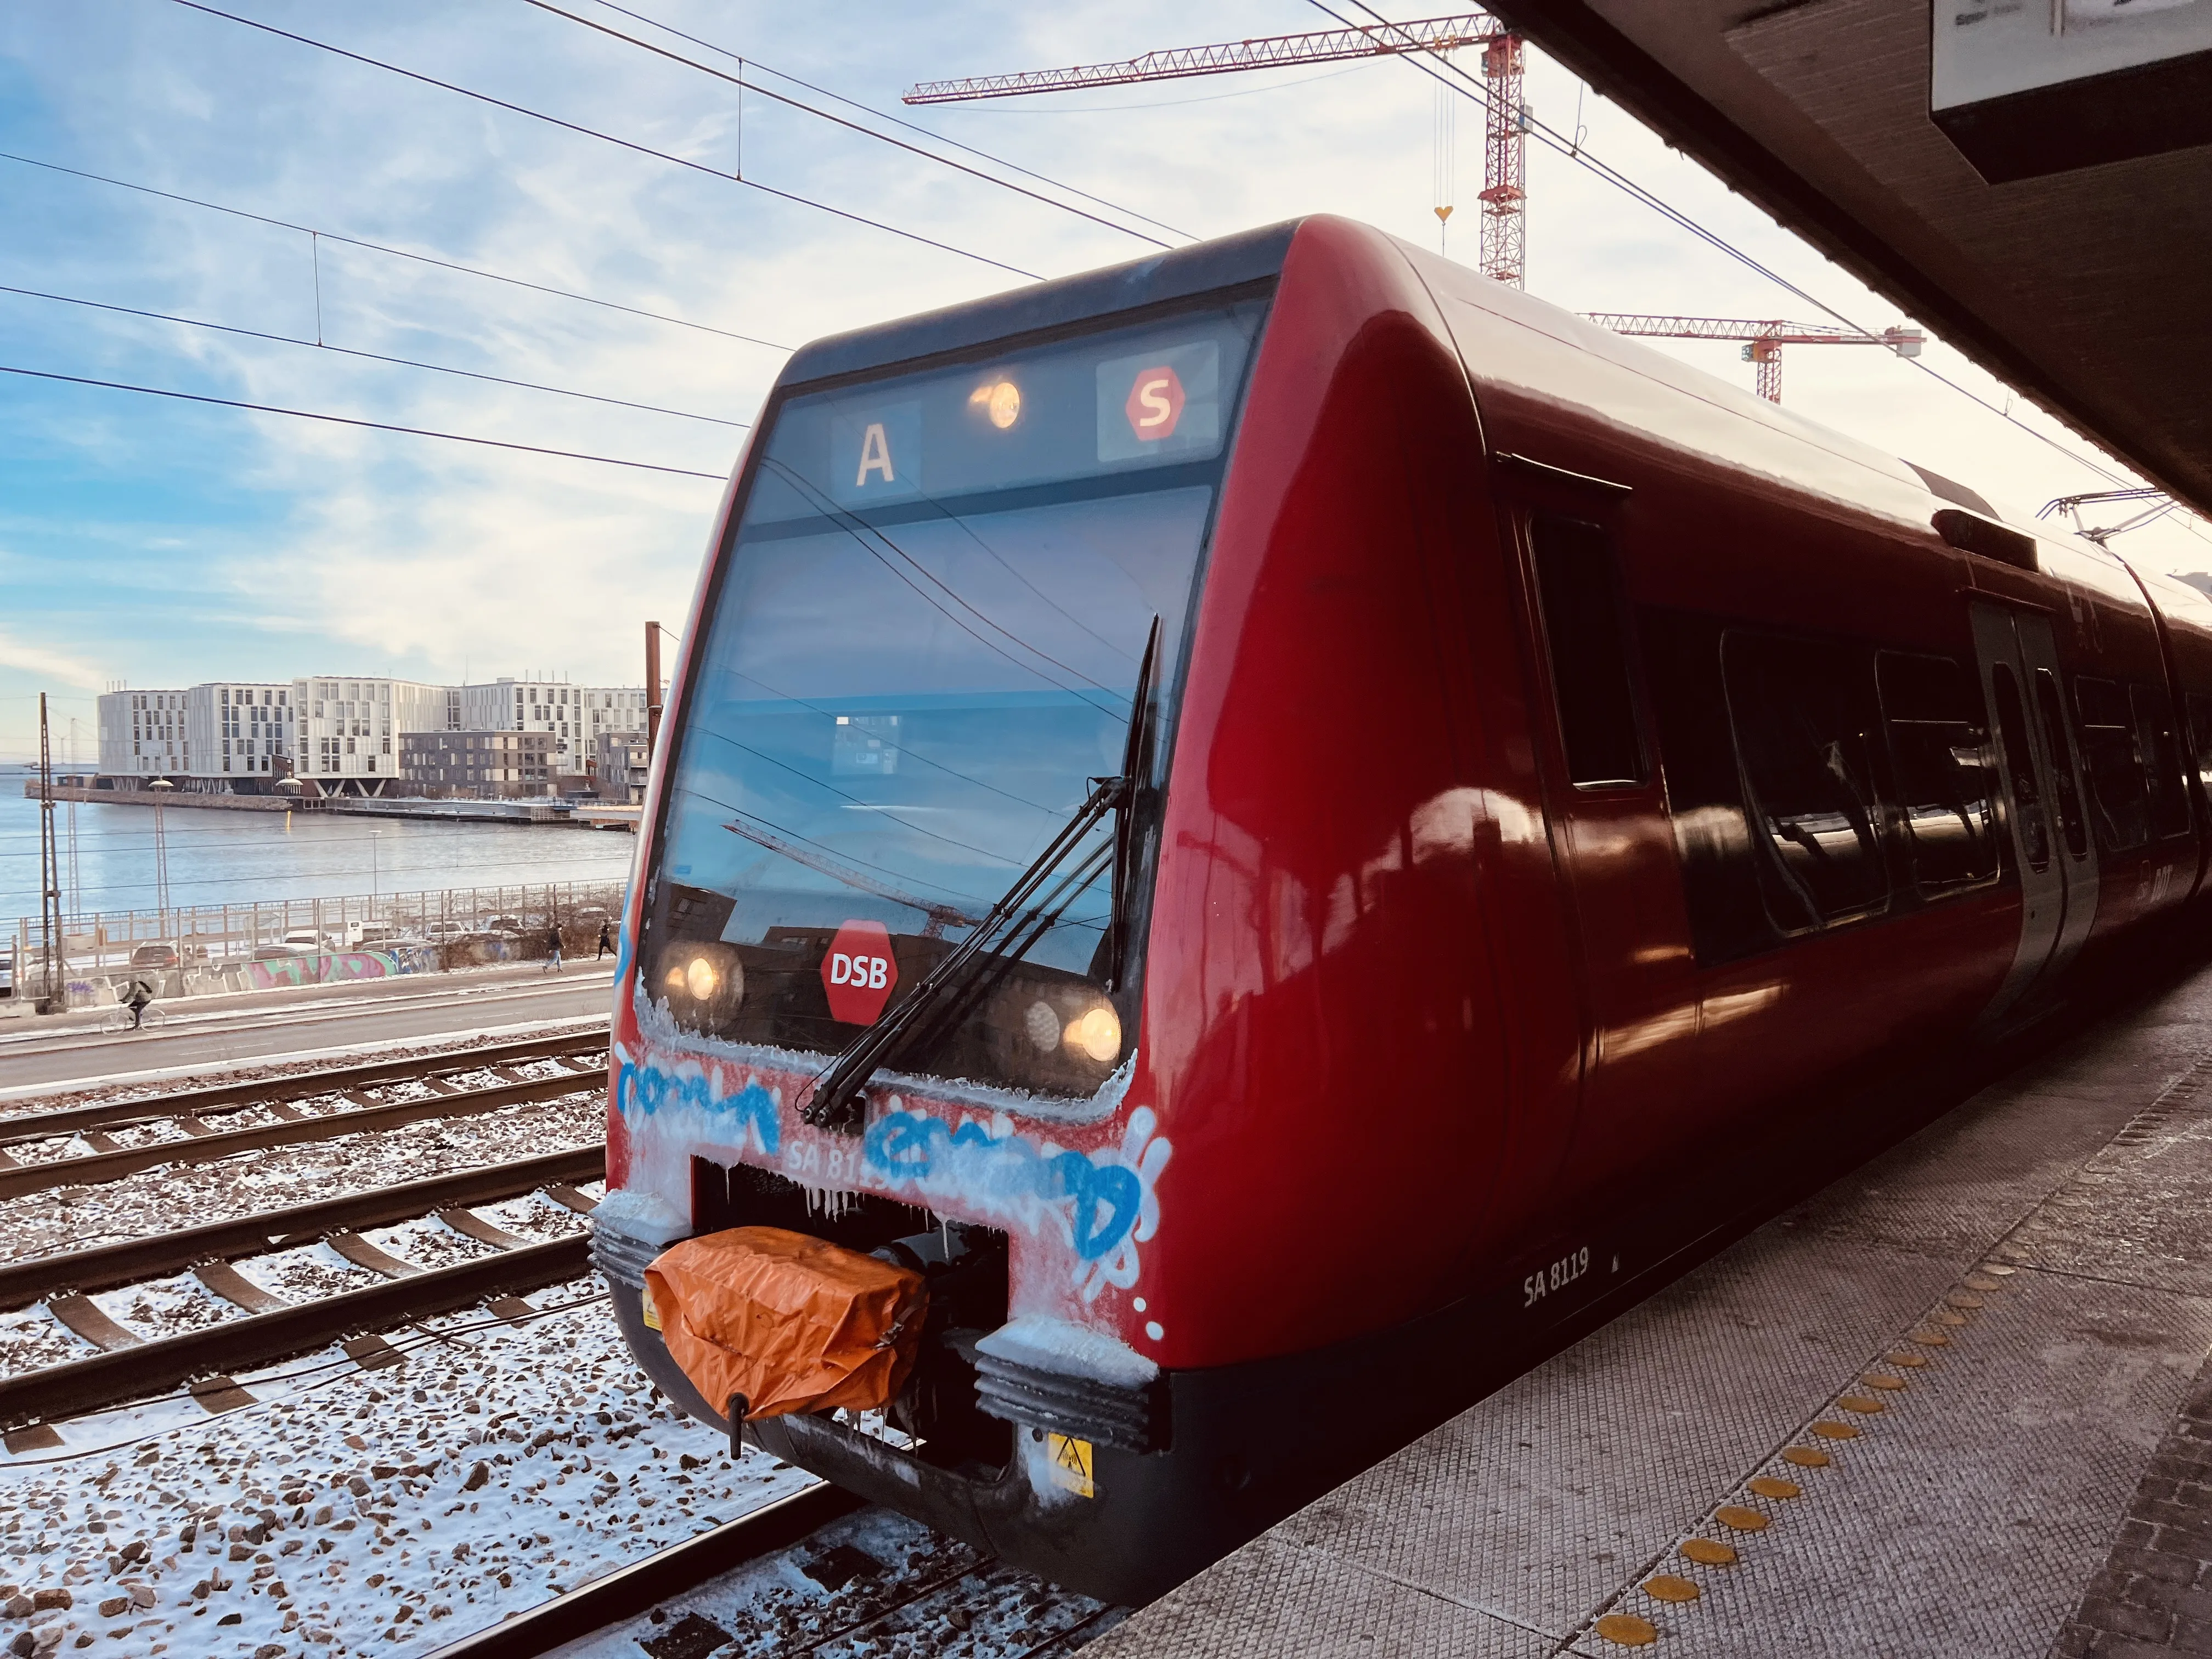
[(1560, 1274)]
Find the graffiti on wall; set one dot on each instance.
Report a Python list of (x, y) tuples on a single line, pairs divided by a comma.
[(335, 967)]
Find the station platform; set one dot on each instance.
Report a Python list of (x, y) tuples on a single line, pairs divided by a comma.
[(1956, 1404)]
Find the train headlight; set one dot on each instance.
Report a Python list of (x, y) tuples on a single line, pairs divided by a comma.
[(702, 984), (1097, 1034), (1042, 1025)]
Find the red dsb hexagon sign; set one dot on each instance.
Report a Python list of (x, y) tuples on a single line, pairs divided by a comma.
[(859, 972), (1155, 402)]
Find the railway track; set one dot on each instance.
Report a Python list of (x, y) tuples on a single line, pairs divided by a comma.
[(818, 1573), (271, 1326), (176, 1128)]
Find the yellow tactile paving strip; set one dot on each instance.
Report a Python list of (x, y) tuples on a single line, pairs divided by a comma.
[(1637, 1618)]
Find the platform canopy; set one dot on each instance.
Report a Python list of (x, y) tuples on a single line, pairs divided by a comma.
[(2032, 179)]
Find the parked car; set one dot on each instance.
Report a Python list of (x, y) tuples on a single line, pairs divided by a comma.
[(7, 976), (439, 931), (309, 942), (504, 925), (282, 953), (364, 933), (155, 955)]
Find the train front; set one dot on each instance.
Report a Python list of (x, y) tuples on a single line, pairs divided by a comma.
[(882, 971)]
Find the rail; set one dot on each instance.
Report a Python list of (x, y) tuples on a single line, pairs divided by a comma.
[(202, 1145)]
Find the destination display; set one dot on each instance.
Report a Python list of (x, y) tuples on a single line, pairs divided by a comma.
[(1117, 401)]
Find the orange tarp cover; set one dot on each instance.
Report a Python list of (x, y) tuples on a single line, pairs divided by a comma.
[(793, 1323)]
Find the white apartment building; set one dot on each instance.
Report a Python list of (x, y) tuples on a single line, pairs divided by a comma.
[(142, 734), (575, 716), (349, 729), (239, 730)]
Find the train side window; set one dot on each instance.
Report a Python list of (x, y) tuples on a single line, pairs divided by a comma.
[(2161, 757), (2117, 792), (1939, 750), (2020, 761), (1802, 711), (2050, 709), (1579, 588)]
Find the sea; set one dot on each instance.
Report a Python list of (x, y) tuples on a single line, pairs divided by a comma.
[(218, 857)]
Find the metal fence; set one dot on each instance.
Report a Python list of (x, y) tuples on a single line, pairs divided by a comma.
[(214, 934)]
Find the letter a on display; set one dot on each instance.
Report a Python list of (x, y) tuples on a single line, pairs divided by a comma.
[(875, 456)]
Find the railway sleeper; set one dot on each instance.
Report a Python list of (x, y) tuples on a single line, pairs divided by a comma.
[(144, 1367), (107, 1266), (208, 1145), (571, 1049)]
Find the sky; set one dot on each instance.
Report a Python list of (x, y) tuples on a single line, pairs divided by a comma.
[(158, 543)]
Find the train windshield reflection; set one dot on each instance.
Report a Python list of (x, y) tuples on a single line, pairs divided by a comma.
[(925, 644)]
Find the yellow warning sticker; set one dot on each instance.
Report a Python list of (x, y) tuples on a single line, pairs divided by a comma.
[(1073, 1464), (652, 1313)]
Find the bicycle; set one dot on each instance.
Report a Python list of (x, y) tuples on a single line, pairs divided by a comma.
[(119, 1018)]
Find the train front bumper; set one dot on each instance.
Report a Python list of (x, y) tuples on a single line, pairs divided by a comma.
[(1106, 1497)]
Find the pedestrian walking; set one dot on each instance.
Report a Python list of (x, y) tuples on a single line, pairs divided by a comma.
[(606, 937), (552, 950)]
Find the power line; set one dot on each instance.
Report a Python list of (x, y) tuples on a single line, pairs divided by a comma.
[(372, 356), (739, 81), (349, 420), (896, 121), (394, 253), (1580, 155), (608, 138)]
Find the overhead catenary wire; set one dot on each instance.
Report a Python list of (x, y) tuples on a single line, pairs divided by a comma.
[(1580, 155), (370, 356), (317, 232), (349, 420), (851, 127), (608, 138), (898, 121)]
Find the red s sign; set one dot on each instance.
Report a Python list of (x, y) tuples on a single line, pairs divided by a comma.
[(1155, 402)]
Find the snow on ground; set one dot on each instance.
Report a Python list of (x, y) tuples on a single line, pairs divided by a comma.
[(188, 1194), (873, 1583), (381, 1512)]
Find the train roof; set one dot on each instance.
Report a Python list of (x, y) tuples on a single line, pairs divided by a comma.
[(1633, 385), (1226, 262)]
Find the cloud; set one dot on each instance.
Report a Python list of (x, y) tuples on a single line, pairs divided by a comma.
[(45, 663)]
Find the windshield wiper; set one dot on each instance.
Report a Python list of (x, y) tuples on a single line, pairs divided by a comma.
[(839, 1101), (1135, 755)]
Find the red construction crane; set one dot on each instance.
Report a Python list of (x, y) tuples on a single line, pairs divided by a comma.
[(1763, 340), (1505, 190)]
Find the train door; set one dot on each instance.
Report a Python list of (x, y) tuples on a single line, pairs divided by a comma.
[(2040, 771), (1607, 819)]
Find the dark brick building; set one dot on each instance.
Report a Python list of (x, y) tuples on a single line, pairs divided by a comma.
[(484, 765)]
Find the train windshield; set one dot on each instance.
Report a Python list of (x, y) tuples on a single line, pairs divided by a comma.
[(923, 649)]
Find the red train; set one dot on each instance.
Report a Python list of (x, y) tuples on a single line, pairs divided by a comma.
[(1257, 815)]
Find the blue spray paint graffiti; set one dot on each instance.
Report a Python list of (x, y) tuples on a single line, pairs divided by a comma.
[(1104, 1203), (649, 1090)]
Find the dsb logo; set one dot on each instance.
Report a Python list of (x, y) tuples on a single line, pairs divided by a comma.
[(873, 972), (859, 972)]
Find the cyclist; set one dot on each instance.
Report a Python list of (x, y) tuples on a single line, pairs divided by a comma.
[(141, 994)]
